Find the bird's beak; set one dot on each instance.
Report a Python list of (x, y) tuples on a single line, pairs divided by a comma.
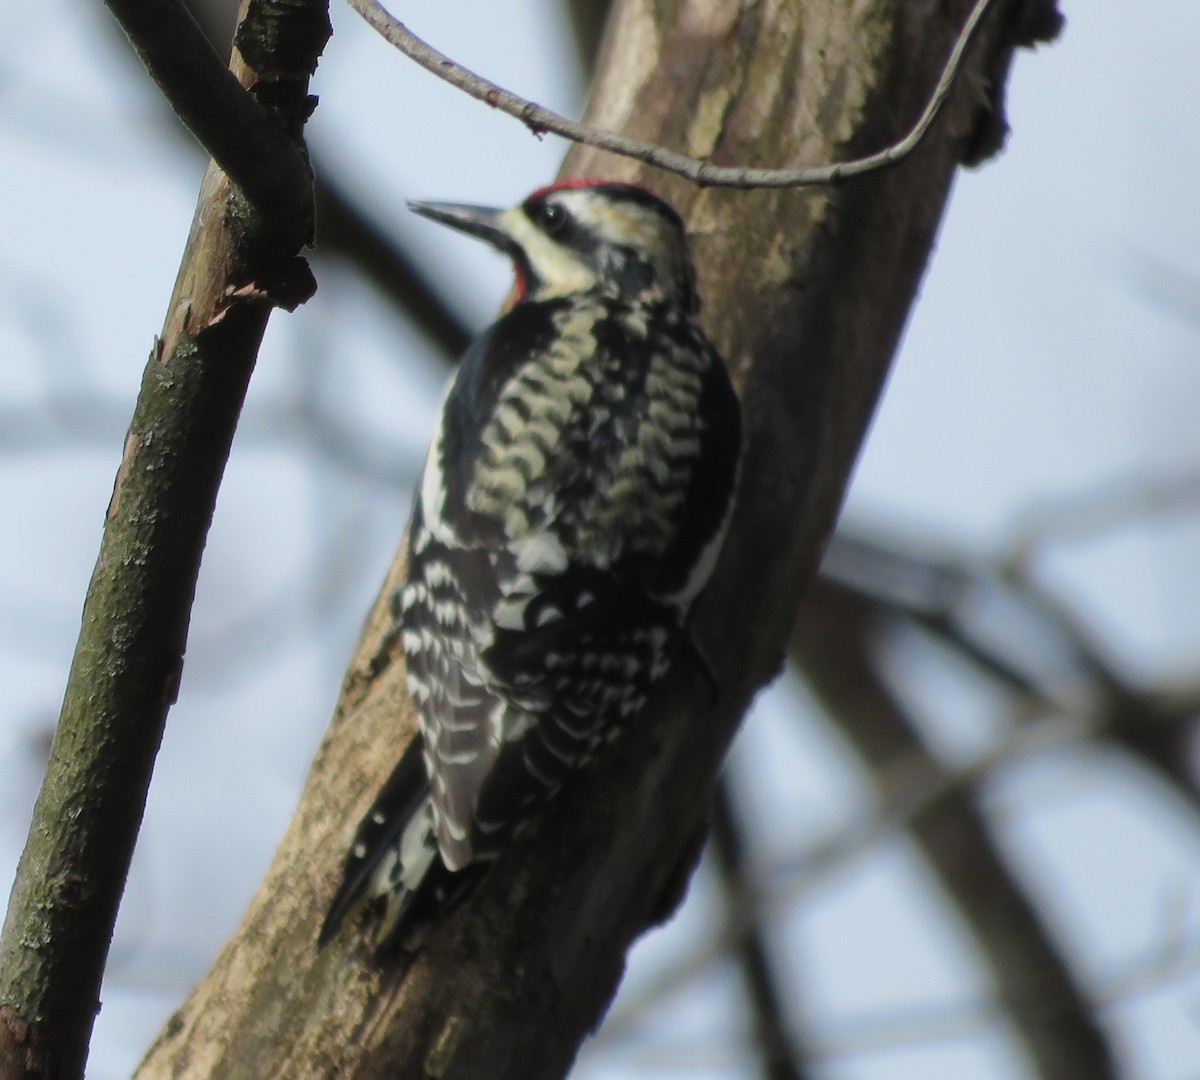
[(480, 221)]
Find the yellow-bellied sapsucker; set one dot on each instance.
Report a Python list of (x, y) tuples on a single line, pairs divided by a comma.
[(573, 503)]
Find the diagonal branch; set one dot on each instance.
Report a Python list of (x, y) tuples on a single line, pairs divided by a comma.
[(128, 661), (1037, 648), (703, 173), (251, 144), (1046, 1005), (779, 1056)]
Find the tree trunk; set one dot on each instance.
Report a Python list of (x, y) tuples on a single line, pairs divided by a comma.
[(806, 293)]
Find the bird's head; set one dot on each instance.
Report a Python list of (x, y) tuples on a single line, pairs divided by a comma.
[(582, 236)]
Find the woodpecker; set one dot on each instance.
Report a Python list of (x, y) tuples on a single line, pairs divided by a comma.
[(573, 502)]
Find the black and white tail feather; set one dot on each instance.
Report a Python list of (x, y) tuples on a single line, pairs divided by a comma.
[(394, 856), (573, 503)]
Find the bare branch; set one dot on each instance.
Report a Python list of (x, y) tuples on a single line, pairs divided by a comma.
[(1043, 998), (129, 658), (252, 146), (779, 1056), (907, 789), (704, 173), (1040, 649)]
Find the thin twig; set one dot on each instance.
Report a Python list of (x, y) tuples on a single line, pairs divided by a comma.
[(540, 120)]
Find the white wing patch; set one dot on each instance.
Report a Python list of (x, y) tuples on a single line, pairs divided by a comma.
[(540, 552), (433, 484)]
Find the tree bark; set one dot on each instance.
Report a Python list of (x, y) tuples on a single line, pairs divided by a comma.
[(806, 294)]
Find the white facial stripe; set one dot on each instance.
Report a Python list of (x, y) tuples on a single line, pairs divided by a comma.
[(433, 483), (624, 223), (560, 271)]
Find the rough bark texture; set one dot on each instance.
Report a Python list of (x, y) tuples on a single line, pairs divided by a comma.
[(807, 293), (125, 674)]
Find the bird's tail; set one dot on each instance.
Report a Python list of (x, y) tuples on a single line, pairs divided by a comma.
[(394, 856)]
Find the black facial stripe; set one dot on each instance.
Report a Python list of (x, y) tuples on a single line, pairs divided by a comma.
[(550, 216), (631, 270)]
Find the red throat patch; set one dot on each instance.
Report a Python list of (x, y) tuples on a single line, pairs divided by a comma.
[(516, 294)]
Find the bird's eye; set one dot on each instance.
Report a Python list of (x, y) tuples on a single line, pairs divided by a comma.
[(552, 218)]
